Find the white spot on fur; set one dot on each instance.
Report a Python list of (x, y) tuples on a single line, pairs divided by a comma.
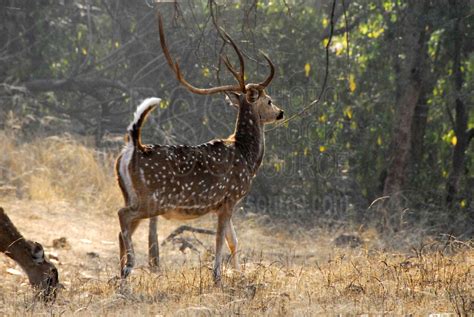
[(142, 175)]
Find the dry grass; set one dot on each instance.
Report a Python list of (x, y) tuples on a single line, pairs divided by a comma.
[(59, 169), (66, 187)]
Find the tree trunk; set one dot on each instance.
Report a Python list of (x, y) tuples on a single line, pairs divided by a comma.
[(461, 118), (418, 129), (420, 118), (414, 47)]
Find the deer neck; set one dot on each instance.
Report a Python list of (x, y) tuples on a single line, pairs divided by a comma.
[(19, 252), (249, 137), (15, 246)]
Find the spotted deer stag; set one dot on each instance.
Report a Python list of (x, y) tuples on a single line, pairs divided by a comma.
[(186, 182), (41, 273)]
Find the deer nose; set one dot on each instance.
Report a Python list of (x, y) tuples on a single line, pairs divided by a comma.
[(280, 115)]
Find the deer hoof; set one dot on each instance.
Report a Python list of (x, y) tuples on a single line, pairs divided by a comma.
[(217, 278), (126, 271), (154, 263), (154, 267)]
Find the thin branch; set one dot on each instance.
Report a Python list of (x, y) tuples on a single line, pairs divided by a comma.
[(346, 31), (89, 86), (470, 135), (450, 116), (220, 32), (347, 27), (336, 14), (326, 75), (184, 228), (288, 8)]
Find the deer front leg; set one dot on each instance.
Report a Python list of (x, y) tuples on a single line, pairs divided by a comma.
[(222, 223), (153, 246), (127, 225), (232, 243)]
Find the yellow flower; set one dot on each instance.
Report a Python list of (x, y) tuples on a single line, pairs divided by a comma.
[(307, 69)]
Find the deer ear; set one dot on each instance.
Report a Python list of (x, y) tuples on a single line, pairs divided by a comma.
[(252, 95), (232, 99), (37, 253)]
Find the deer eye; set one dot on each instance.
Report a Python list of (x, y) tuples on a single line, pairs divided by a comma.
[(269, 102)]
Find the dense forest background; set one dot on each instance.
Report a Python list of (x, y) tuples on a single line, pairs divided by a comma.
[(378, 95)]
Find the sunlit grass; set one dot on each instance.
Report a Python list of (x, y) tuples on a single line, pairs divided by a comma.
[(65, 188), (55, 168), (354, 282)]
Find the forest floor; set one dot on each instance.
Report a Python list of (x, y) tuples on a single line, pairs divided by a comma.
[(63, 189), (283, 272)]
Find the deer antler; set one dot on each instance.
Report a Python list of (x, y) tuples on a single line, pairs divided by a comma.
[(240, 76), (204, 91), (267, 81)]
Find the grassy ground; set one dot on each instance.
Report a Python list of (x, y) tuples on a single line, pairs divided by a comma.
[(285, 270)]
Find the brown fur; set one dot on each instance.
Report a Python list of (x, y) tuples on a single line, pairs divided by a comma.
[(185, 182), (29, 255)]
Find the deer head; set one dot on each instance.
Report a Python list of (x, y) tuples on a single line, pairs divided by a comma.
[(253, 94), (41, 273), (262, 104)]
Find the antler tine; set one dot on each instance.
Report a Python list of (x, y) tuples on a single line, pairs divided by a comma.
[(164, 47), (227, 63), (267, 81), (175, 68), (236, 74), (240, 76)]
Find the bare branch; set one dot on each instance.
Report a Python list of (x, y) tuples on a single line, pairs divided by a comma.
[(470, 135), (326, 75), (335, 15), (84, 85), (184, 228)]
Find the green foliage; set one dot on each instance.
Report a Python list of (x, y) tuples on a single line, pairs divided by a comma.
[(340, 145)]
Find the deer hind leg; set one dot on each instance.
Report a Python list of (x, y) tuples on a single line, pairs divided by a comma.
[(232, 243), (153, 246), (128, 224), (222, 224), (123, 253)]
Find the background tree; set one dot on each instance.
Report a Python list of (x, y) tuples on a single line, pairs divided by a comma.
[(395, 117)]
